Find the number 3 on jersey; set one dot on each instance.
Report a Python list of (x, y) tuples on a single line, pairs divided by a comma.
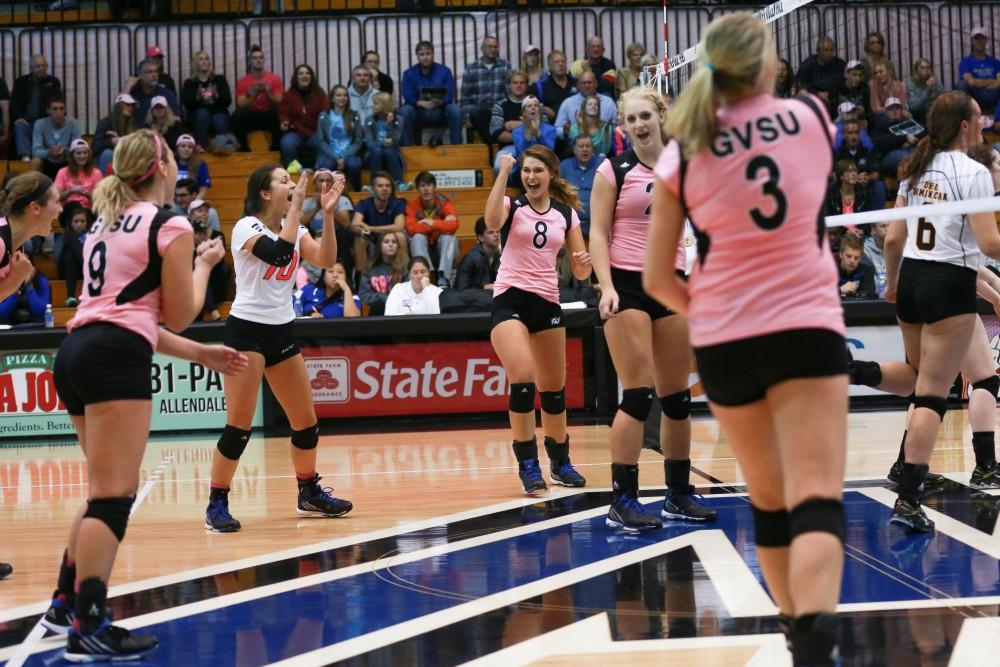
[(283, 272)]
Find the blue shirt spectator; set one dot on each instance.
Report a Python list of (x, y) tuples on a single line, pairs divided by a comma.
[(580, 170), (980, 73), (28, 303), (328, 297), (416, 80)]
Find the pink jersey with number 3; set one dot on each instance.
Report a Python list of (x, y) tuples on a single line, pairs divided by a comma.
[(755, 198), (122, 265), (531, 243)]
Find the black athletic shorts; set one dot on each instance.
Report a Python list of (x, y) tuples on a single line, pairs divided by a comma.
[(932, 291), (628, 284), (102, 362), (276, 342), (528, 308), (742, 371)]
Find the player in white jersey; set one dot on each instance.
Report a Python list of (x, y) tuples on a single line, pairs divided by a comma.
[(267, 245), (932, 264)]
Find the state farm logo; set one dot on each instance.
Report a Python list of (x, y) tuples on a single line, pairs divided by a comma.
[(330, 378)]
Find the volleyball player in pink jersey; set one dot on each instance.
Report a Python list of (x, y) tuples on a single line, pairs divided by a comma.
[(28, 210), (103, 370), (750, 173), (267, 244), (639, 329), (527, 328)]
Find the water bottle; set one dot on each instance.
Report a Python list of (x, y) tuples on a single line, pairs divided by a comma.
[(297, 303), (50, 318)]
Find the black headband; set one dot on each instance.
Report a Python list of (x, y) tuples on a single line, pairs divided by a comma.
[(22, 202)]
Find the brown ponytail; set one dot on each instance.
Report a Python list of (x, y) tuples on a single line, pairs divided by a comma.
[(559, 188), (31, 186), (944, 123)]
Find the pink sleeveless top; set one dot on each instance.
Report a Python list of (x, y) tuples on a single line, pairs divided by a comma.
[(121, 270), (630, 226), (755, 198), (531, 243)]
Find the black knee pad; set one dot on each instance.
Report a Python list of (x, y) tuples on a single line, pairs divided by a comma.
[(676, 406), (935, 403), (306, 438), (771, 527), (554, 402), (637, 402), (817, 515), (112, 511), (232, 442), (522, 397), (990, 384)]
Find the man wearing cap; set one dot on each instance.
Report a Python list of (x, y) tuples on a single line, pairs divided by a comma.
[(51, 138), (220, 278), (29, 101), (603, 68), (147, 88), (821, 73), (155, 54), (847, 112), (258, 95), (853, 89), (483, 85), (506, 115), (553, 89), (980, 73), (893, 148), (186, 192)]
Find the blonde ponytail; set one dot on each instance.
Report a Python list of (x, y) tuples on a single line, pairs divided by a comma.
[(734, 52), (135, 160)]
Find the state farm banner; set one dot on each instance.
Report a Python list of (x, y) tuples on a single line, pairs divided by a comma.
[(419, 378)]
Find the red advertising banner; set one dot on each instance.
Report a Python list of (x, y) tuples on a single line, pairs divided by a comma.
[(419, 379)]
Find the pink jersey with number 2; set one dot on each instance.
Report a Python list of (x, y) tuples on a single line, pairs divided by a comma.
[(755, 197), (121, 273)]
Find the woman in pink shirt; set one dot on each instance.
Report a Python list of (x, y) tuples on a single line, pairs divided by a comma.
[(639, 330), (527, 329), (750, 172), (103, 370), (884, 85), (77, 180)]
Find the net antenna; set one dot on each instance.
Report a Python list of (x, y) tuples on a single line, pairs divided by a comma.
[(656, 75)]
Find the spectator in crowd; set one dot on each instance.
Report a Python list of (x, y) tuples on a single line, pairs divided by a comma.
[(382, 213), (416, 296), (429, 99), (110, 129), (185, 192), (190, 164), (868, 163), (156, 54), (556, 87), (361, 93), (149, 89), (506, 115), (206, 98), (258, 95), (29, 102), (383, 134), (77, 180), (586, 87), (588, 122), (52, 137), (844, 196), (28, 303), (341, 216), (883, 86), (620, 141), (821, 73), (857, 278), (785, 85), (532, 130), (893, 148), (630, 76), (922, 89), (431, 223), (603, 68), (478, 269), (389, 269), (331, 296), (221, 277), (299, 112), (531, 63), (875, 55), (980, 74), (580, 170), (847, 112), (989, 157), (380, 80), (341, 136), (483, 85), (67, 250), (853, 89), (4, 118), (161, 119), (875, 253)]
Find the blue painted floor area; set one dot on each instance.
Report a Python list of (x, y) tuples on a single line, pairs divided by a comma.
[(889, 566)]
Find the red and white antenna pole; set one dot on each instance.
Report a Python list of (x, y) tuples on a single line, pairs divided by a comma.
[(666, 47)]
